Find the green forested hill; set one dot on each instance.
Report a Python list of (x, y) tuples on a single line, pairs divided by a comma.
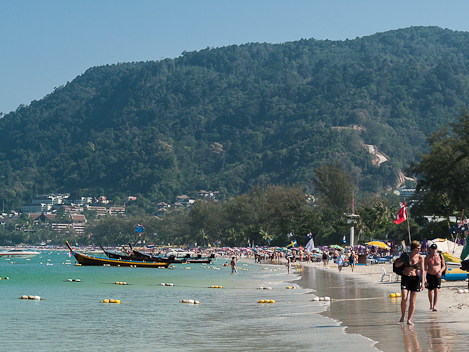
[(227, 118)]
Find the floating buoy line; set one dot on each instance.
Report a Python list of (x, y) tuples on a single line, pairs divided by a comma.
[(31, 297), (111, 301), (190, 301), (321, 299)]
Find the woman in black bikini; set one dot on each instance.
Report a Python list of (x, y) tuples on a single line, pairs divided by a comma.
[(410, 282)]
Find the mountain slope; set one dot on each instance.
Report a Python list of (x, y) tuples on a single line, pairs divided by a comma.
[(226, 118)]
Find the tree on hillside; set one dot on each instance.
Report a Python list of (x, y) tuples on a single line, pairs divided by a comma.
[(334, 185), (443, 185)]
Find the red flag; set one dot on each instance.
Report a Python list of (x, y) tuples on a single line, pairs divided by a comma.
[(402, 216)]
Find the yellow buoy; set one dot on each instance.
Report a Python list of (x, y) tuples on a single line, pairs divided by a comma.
[(106, 301), (271, 301), (261, 301), (392, 295), (117, 301), (398, 294)]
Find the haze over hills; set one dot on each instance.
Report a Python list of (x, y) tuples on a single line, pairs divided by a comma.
[(228, 118)]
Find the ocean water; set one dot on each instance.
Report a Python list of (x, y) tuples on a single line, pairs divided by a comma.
[(71, 317)]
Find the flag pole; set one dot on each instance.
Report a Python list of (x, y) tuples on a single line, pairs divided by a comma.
[(408, 224)]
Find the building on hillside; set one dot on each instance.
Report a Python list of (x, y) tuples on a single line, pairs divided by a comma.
[(42, 217), (52, 198), (162, 212), (66, 208), (79, 218), (100, 211), (407, 193), (162, 205), (205, 195), (184, 200), (102, 200), (116, 210), (36, 208), (13, 215), (78, 222), (177, 206), (81, 201), (45, 202), (430, 218)]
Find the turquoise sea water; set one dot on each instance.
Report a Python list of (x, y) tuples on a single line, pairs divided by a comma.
[(150, 317)]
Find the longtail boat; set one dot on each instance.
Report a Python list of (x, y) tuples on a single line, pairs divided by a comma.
[(190, 260), (134, 256), (84, 259)]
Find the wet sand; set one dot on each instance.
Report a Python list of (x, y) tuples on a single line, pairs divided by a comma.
[(363, 304)]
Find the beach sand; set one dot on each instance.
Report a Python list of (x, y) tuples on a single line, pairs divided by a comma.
[(362, 302)]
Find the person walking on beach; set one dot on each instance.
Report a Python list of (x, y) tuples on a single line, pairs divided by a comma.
[(288, 264), (434, 266), (234, 269), (410, 282), (325, 259), (340, 261), (351, 260)]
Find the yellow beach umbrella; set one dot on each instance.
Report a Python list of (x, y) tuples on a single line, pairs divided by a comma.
[(379, 244)]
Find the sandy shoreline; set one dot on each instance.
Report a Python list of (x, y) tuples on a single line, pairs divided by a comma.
[(449, 301), (452, 317)]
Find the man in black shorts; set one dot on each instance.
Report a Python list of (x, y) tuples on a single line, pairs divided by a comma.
[(434, 266)]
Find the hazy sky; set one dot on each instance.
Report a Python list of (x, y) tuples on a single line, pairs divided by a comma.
[(45, 43)]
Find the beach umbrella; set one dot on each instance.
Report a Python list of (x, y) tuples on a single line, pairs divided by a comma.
[(379, 244), (336, 246)]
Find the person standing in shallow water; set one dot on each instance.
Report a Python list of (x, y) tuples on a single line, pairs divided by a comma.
[(410, 282), (434, 266), (234, 269)]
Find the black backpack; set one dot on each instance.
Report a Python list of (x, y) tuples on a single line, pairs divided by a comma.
[(442, 261), (400, 269)]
